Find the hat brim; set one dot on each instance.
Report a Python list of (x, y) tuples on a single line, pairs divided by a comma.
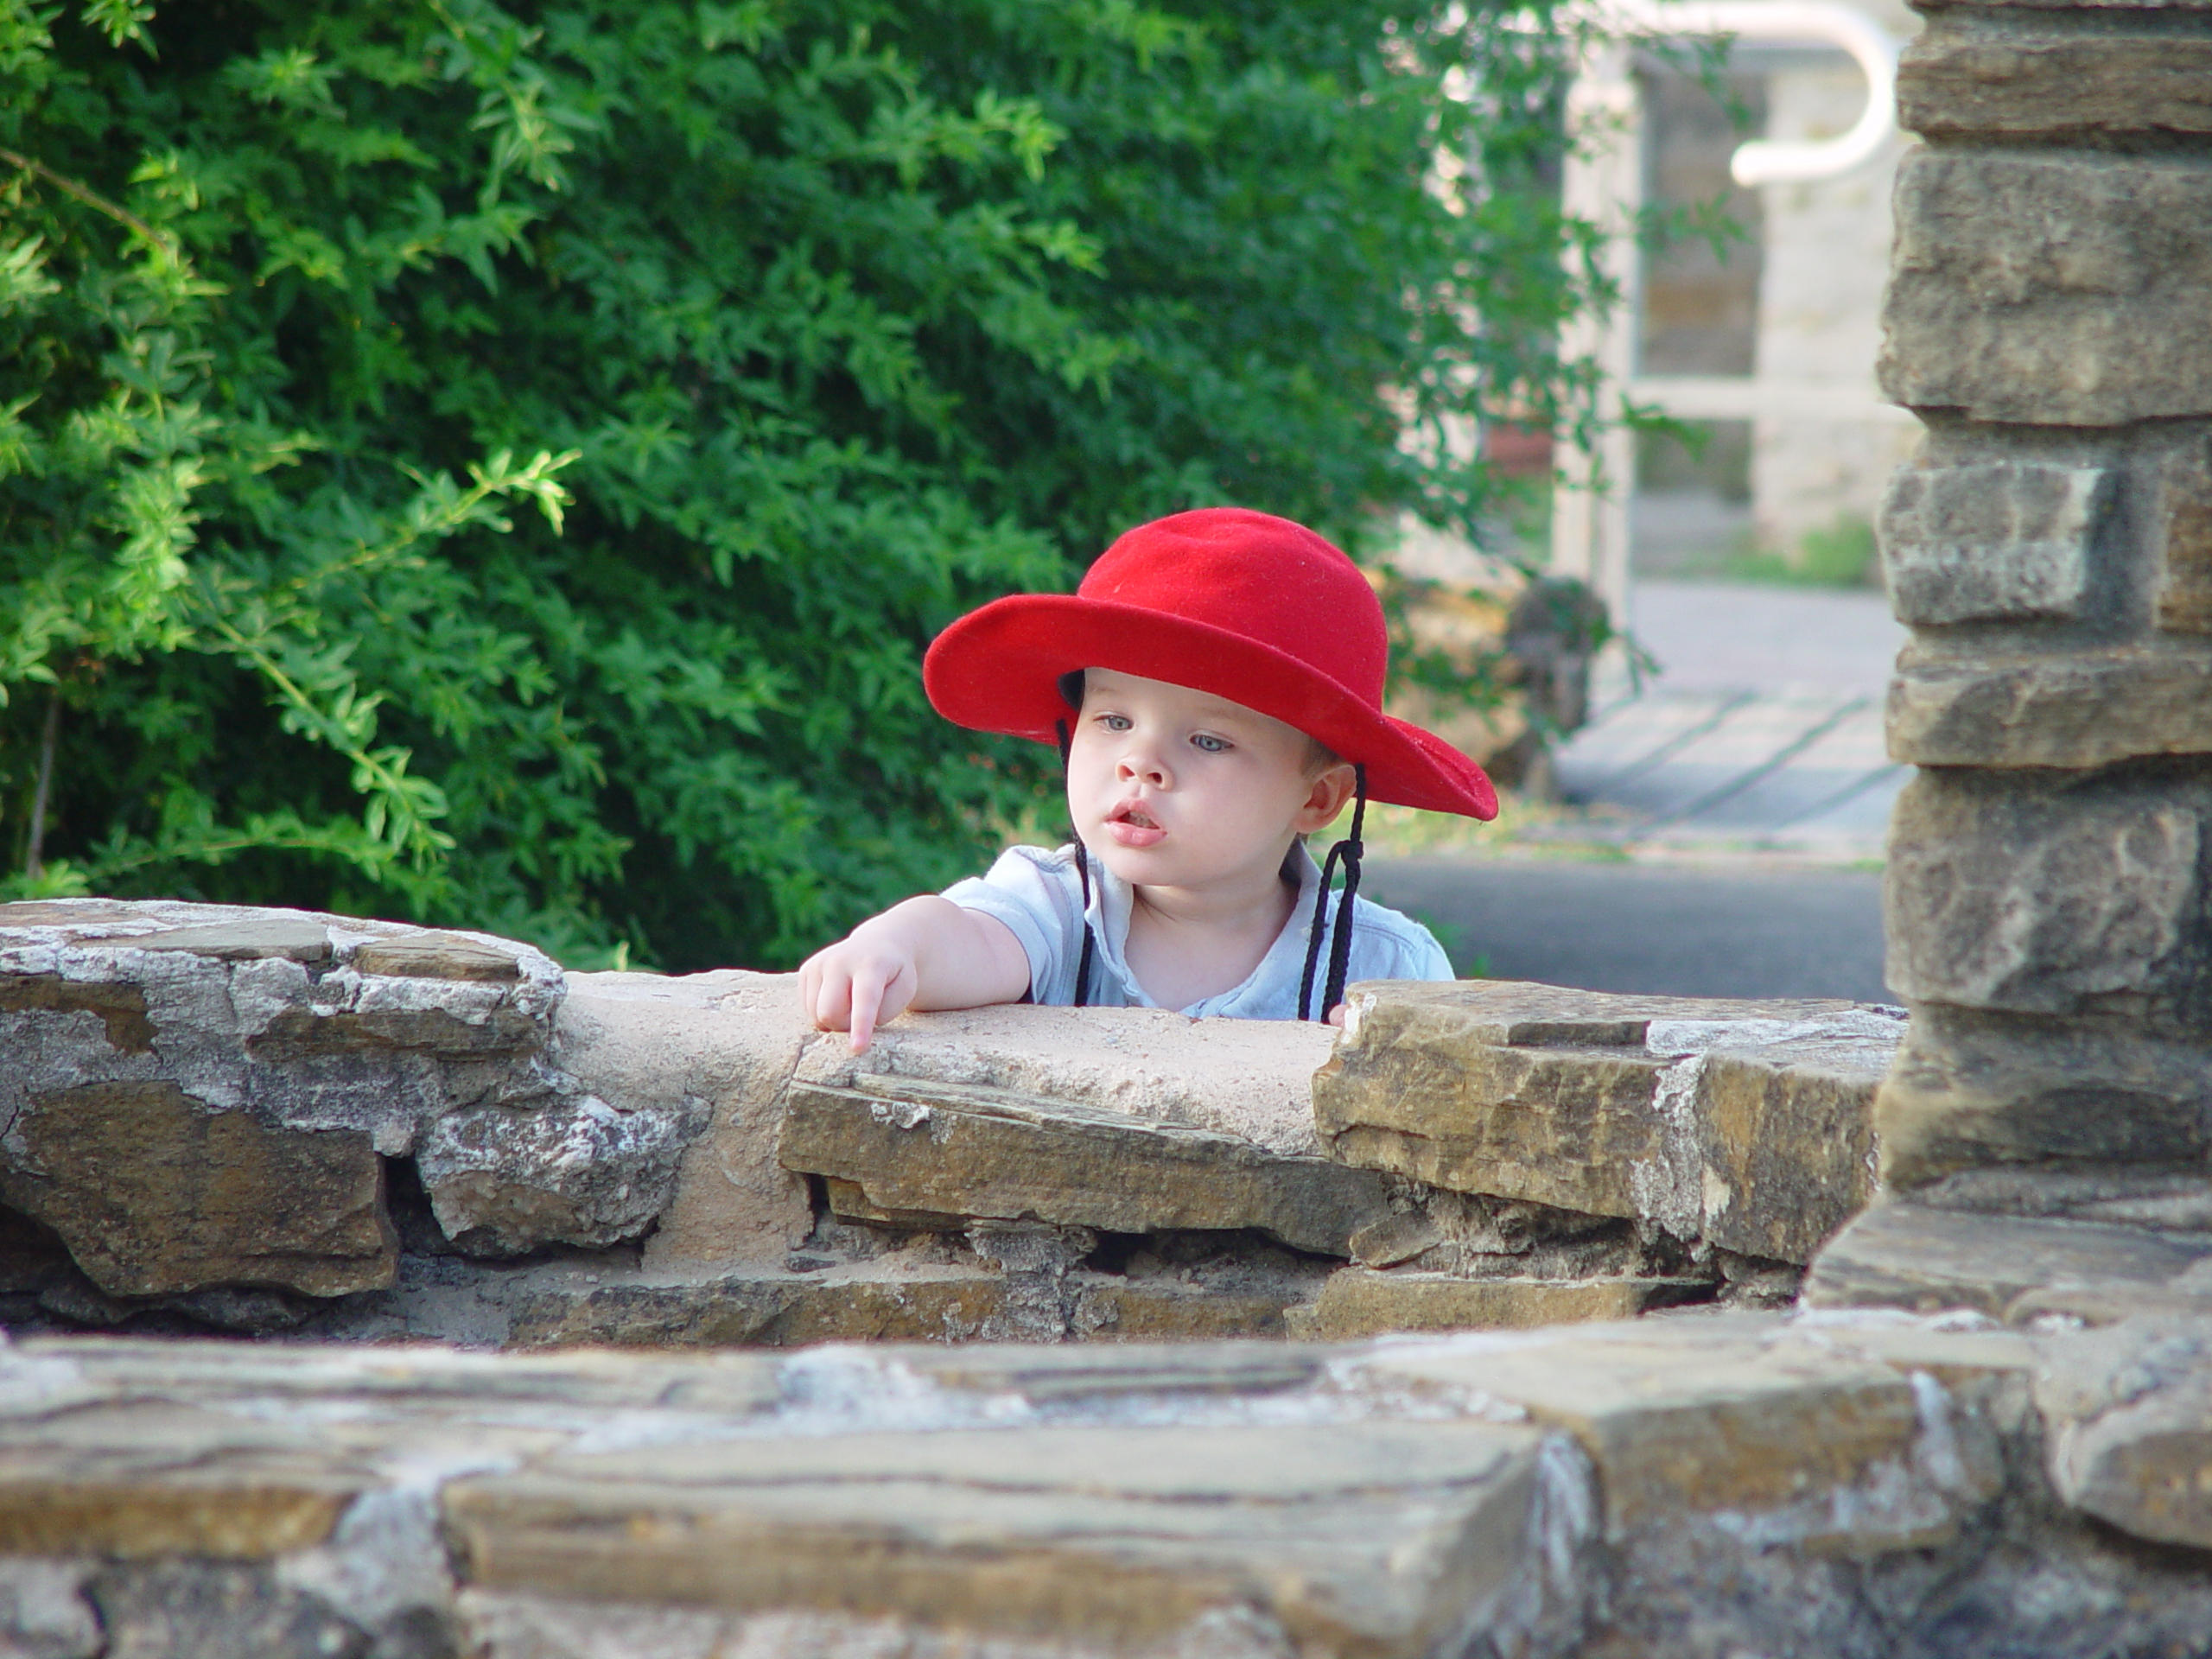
[(999, 669)]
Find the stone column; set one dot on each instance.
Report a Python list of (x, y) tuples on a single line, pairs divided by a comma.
[(2049, 888)]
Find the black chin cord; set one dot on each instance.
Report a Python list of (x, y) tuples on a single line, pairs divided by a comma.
[(1083, 878), (1348, 852)]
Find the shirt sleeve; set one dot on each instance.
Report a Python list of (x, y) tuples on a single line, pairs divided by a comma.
[(1034, 893)]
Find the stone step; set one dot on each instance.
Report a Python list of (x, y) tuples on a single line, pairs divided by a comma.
[(1746, 1126)]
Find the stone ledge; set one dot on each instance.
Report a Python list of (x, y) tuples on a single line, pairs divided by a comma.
[(1917, 1257), (1741, 1125), (2048, 288), (959, 1150), (2054, 86), (1358, 1302), (2079, 710)]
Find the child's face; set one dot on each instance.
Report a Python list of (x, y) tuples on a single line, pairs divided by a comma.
[(1177, 788)]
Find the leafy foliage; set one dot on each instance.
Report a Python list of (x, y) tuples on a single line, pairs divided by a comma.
[(502, 465)]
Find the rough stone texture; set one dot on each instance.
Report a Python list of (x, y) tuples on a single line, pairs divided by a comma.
[(1723, 1413), (1680, 1487), (177, 1071), (2044, 895), (2090, 708), (1973, 1090), (1246, 1078), (152, 1196), (723, 1044), (2130, 1415), (963, 1150), (1362, 1302), (2050, 289), (766, 1308), (1952, 85), (1171, 1524), (1905, 1255), (734, 1200), (2181, 518), (2000, 540), (1744, 1126)]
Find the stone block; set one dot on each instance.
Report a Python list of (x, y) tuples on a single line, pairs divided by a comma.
[(1904, 1255), (2181, 521), (152, 1478), (1114, 1309), (1360, 1302), (1227, 1369), (312, 1033), (2129, 1413), (508, 1626), (1373, 1537), (2051, 288), (1994, 541), (2038, 893), (1249, 1079), (1801, 1443), (569, 1169), (768, 1308), (965, 1150), (152, 1194), (1743, 1125), (1973, 1090), (1956, 84), (2076, 710)]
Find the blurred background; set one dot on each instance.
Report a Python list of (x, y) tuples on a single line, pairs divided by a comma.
[(500, 465)]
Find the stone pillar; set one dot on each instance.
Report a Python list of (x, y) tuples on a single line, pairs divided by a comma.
[(2050, 888)]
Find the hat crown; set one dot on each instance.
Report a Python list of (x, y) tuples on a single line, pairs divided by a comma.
[(1269, 580)]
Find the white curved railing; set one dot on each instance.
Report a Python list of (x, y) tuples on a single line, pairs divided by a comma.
[(1763, 160)]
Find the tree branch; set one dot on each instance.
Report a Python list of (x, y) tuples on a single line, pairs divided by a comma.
[(90, 198)]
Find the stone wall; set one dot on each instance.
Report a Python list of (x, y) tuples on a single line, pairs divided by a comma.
[(1688, 1486), (265, 1121), (2050, 915)]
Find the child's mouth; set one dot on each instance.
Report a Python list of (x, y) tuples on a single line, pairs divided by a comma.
[(1130, 825)]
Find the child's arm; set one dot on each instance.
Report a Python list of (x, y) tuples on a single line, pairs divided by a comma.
[(925, 953)]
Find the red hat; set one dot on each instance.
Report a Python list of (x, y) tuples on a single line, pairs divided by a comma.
[(1241, 604)]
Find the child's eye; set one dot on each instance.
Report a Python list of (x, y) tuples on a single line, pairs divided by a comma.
[(1115, 722), (1211, 744)]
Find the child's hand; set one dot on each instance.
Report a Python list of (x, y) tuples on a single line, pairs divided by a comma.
[(857, 983), (925, 953)]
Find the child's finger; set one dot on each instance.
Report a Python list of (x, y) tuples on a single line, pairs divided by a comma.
[(828, 998), (1336, 1014), (867, 990)]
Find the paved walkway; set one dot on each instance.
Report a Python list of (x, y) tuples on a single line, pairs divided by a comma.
[(1738, 776), (1759, 727)]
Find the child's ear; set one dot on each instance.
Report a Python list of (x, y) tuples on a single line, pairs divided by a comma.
[(1325, 800)]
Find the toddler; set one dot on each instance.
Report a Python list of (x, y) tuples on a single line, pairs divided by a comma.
[(1216, 689)]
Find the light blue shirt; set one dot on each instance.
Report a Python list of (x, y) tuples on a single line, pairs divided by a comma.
[(1037, 894)]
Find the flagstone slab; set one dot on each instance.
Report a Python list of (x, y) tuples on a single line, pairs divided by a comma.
[(1745, 1125), (1361, 1302), (911, 1144), (1370, 1537), (1904, 1255)]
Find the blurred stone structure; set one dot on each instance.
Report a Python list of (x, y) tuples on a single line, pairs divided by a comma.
[(2050, 920)]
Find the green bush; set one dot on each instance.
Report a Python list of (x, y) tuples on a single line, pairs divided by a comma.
[(501, 467)]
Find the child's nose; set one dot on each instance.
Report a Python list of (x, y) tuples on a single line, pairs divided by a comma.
[(1140, 762)]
